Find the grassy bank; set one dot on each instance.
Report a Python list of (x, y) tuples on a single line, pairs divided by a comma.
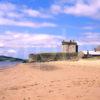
[(43, 57)]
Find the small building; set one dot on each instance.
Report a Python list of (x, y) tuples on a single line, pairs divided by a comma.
[(69, 46), (97, 48), (91, 54)]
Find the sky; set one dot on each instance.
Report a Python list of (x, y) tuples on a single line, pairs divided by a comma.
[(34, 26)]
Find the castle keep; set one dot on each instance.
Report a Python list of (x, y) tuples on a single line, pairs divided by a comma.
[(70, 50), (69, 46)]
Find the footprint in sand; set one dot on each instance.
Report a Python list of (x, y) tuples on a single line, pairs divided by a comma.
[(50, 85), (58, 80), (3, 98), (68, 86), (79, 96), (63, 94), (52, 81), (29, 98), (38, 96), (13, 88), (24, 99), (50, 91)]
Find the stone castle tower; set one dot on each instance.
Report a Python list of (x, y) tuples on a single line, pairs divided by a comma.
[(69, 46)]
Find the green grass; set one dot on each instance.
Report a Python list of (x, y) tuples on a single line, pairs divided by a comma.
[(52, 56), (93, 58)]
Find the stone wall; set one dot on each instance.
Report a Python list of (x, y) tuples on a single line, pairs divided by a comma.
[(69, 48)]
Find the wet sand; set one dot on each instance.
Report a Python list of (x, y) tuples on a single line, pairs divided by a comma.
[(62, 80)]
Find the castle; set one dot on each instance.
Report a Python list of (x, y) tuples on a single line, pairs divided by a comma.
[(69, 46)]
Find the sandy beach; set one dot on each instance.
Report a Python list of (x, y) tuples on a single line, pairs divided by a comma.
[(62, 80)]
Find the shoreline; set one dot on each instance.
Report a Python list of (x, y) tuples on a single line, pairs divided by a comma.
[(63, 61), (9, 66)]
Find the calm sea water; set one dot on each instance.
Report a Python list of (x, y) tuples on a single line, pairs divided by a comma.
[(6, 64)]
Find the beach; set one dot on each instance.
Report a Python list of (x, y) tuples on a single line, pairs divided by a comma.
[(58, 80)]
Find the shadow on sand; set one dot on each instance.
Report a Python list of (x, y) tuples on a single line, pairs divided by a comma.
[(45, 67)]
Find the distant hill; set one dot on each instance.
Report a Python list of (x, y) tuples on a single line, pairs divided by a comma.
[(11, 59)]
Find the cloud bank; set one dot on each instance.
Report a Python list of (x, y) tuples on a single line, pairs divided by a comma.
[(13, 15), (26, 40), (87, 8)]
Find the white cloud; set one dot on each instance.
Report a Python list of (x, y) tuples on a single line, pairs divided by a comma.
[(36, 13), (21, 11), (88, 8), (26, 40), (9, 10), (89, 38), (11, 51), (88, 27), (82, 9), (13, 15), (8, 52), (7, 6), (1, 45), (11, 22), (56, 9)]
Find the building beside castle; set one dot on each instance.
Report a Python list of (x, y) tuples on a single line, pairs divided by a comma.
[(97, 48), (69, 46)]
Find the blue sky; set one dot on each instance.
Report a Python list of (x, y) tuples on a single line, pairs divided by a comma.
[(32, 26)]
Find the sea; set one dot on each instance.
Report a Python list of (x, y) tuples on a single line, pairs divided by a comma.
[(7, 64)]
